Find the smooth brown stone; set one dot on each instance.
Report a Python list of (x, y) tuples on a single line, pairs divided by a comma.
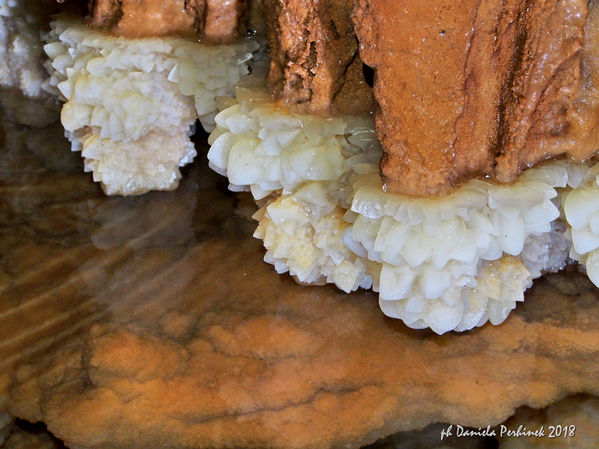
[(152, 322)]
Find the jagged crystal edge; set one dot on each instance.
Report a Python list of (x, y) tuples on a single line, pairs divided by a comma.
[(20, 47), (446, 263), (581, 209), (22, 74), (130, 104)]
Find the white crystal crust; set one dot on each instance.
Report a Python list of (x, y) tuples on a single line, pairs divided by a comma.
[(23, 99), (130, 104), (444, 263)]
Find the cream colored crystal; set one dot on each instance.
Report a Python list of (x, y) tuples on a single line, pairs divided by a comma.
[(447, 263), (22, 74), (135, 101)]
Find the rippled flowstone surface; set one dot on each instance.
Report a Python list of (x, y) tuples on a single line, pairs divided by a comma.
[(152, 322)]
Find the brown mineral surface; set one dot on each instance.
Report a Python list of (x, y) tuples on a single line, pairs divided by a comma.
[(214, 20), (151, 322), (315, 66), (480, 88)]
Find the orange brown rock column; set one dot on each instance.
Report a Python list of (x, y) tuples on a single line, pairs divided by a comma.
[(315, 65), (471, 88), (214, 20)]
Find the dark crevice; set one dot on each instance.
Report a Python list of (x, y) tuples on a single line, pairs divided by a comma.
[(468, 76), (368, 75), (508, 94), (336, 34), (311, 62), (37, 431), (109, 18), (196, 9), (311, 399)]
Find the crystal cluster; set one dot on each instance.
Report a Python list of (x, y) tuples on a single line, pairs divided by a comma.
[(447, 263), (131, 104)]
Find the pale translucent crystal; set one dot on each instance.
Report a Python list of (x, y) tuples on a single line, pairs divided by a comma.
[(20, 49), (139, 98), (22, 74), (447, 263), (581, 210)]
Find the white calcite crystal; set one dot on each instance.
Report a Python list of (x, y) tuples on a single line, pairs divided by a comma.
[(20, 47), (444, 263), (435, 251), (22, 74), (303, 232), (267, 149), (130, 104), (581, 208)]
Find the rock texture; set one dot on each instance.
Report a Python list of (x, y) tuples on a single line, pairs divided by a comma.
[(151, 322), (479, 88), (28, 436), (213, 20), (315, 66), (6, 427), (570, 423)]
